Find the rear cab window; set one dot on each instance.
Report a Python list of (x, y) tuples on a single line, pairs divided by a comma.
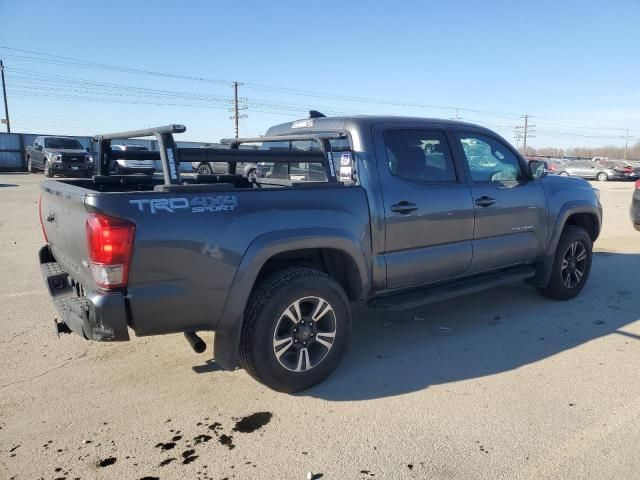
[(303, 171)]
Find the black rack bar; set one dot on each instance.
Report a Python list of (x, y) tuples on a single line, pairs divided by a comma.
[(171, 156), (322, 139)]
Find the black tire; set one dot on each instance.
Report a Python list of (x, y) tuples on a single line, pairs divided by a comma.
[(558, 289), (204, 169), (266, 312), (602, 177), (30, 167), (47, 169), (564, 174)]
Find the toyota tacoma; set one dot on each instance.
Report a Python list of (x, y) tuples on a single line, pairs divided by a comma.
[(409, 211)]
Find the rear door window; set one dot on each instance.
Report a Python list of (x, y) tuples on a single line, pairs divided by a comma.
[(419, 155)]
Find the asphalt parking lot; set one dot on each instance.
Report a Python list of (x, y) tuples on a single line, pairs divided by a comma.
[(500, 384)]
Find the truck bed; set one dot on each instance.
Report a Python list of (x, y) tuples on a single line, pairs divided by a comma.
[(189, 245)]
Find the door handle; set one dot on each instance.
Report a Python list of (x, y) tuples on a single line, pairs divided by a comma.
[(485, 201), (404, 207)]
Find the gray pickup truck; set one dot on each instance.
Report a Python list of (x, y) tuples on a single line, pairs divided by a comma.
[(410, 211), (59, 156)]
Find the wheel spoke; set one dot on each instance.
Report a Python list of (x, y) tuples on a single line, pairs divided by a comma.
[(573, 248), (282, 345), (581, 256), (578, 274), (320, 338), (303, 360), (293, 312), (321, 310), (565, 263)]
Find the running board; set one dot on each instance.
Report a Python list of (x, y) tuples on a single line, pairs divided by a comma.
[(426, 295)]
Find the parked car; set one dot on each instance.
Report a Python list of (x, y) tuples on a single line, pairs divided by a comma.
[(58, 156), (247, 169), (635, 207), (439, 209), (592, 170), (125, 166)]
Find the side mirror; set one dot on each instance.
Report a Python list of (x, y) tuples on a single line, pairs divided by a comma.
[(88, 150), (538, 168)]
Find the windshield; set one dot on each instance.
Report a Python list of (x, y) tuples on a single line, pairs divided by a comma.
[(63, 143)]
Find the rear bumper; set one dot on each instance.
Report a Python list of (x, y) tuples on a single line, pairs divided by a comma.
[(95, 316)]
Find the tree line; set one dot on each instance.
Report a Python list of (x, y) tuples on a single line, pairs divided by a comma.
[(610, 151)]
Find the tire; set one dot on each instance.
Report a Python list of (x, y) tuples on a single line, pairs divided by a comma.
[(30, 168), (47, 169), (602, 177), (204, 169), (558, 288), (270, 327), (564, 174)]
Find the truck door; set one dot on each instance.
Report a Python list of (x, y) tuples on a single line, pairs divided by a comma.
[(510, 209), (428, 208), (36, 153)]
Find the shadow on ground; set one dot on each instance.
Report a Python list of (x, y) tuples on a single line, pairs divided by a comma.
[(2, 185), (481, 334)]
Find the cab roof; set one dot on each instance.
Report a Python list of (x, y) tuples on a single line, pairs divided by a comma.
[(343, 123)]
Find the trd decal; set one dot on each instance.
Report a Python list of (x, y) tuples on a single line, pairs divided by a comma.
[(221, 203)]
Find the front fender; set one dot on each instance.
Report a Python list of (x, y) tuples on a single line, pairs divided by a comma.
[(543, 269), (229, 328)]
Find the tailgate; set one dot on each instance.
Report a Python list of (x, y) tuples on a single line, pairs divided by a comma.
[(64, 218)]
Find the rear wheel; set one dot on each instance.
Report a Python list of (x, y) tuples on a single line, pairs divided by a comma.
[(571, 265), (48, 172), (296, 329), (602, 177), (204, 169), (564, 174)]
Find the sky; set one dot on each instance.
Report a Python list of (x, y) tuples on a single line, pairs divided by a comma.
[(573, 66)]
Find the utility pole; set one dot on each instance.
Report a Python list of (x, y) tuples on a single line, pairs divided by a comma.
[(524, 132), (626, 144), (4, 94), (237, 107)]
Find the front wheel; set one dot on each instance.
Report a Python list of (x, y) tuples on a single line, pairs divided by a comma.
[(296, 329), (48, 172), (30, 168), (571, 265)]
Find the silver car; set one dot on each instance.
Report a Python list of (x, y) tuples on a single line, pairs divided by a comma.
[(124, 166), (591, 170)]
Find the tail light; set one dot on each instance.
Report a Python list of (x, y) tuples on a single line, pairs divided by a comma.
[(637, 184), (46, 239), (110, 242)]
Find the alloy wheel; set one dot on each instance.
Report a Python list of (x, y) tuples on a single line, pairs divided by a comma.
[(304, 334), (574, 263)]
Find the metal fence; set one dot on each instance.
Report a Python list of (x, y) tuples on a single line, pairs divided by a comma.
[(13, 148)]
